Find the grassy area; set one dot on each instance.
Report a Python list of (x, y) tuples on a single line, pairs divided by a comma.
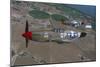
[(67, 10), (58, 17), (34, 7), (39, 14), (43, 15)]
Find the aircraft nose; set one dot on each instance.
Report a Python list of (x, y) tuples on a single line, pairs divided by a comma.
[(27, 35)]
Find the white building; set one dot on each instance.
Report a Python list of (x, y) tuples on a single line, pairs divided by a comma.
[(75, 23), (88, 26)]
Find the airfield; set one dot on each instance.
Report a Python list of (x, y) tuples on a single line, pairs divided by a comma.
[(79, 50)]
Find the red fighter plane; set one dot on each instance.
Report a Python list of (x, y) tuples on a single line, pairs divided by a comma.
[(54, 35)]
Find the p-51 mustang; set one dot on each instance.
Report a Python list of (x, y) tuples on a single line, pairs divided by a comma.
[(51, 35)]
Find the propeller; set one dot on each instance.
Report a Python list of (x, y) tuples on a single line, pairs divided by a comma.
[(27, 35), (26, 30)]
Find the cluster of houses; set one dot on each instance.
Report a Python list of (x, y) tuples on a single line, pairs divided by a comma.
[(81, 24)]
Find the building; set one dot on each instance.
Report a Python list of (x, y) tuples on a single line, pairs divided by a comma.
[(75, 23), (88, 26)]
